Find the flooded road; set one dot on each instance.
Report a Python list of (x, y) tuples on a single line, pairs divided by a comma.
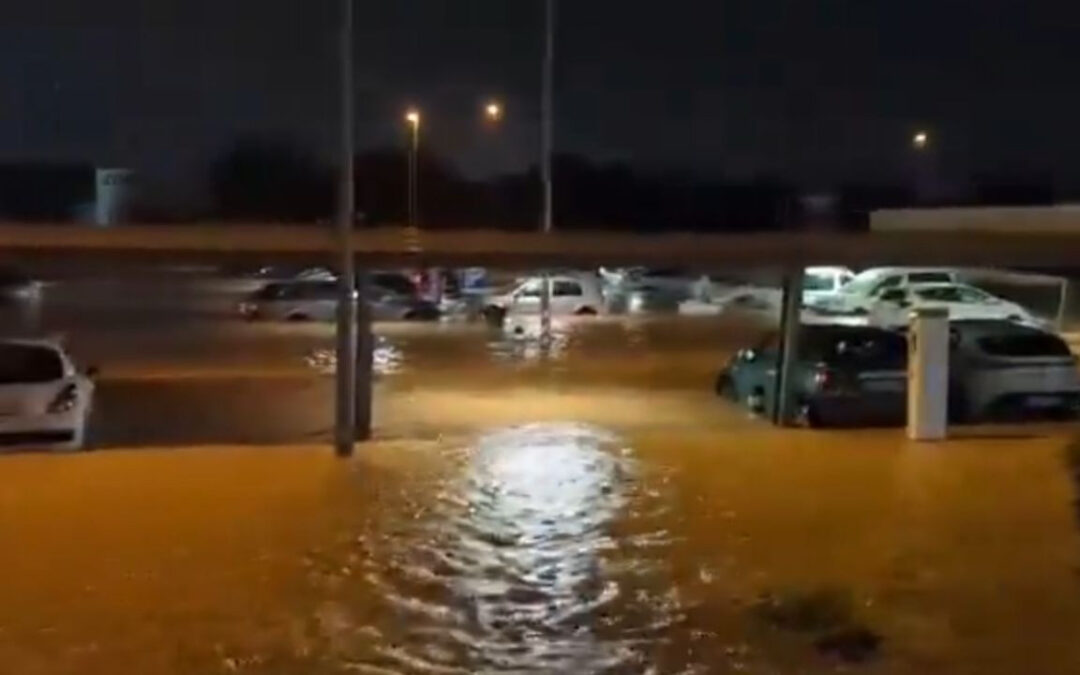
[(595, 511)]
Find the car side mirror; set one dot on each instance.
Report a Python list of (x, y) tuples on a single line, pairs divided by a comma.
[(92, 372)]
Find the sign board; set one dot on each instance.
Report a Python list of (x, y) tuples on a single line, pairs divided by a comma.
[(114, 191)]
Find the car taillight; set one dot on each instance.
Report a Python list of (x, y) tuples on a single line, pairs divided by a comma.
[(825, 379), (65, 400)]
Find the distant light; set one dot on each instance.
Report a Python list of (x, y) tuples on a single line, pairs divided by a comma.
[(493, 111), (412, 116), (920, 140)]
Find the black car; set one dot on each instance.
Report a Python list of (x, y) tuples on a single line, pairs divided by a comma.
[(842, 375)]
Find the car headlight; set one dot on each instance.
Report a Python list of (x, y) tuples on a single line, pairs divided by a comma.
[(65, 400)]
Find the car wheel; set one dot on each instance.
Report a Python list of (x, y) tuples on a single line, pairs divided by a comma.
[(810, 417), (410, 315), (494, 315), (585, 311), (298, 316)]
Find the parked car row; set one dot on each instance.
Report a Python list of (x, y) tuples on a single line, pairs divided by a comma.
[(851, 375), (391, 296)]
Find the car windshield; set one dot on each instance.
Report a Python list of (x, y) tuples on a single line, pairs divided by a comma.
[(819, 282), (29, 364), (270, 292), (861, 284)]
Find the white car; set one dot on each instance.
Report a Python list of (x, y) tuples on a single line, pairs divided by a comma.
[(45, 401), (318, 300), (819, 282), (571, 294), (1003, 370), (893, 307), (670, 283), (862, 290)]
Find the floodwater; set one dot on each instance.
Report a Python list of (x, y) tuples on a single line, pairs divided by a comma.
[(592, 510)]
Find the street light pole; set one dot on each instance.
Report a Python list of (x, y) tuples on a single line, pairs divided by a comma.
[(547, 142), (345, 413), (412, 117)]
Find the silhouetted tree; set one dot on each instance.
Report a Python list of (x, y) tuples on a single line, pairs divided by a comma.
[(261, 179), (445, 198), (1005, 189)]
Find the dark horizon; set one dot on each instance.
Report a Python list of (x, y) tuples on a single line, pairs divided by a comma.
[(815, 95)]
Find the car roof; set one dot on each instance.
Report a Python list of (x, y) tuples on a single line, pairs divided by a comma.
[(905, 270), (828, 269), (982, 327), (927, 285), (841, 329)]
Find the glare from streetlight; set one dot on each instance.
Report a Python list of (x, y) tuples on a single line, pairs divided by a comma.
[(412, 116), (920, 140), (493, 111)]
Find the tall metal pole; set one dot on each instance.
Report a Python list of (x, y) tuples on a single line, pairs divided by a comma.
[(547, 143), (345, 412), (414, 187), (784, 411)]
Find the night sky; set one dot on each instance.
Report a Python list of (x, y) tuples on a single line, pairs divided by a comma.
[(814, 91)]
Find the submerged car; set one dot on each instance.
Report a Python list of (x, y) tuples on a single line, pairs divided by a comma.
[(842, 375), (1002, 370), (45, 402), (820, 282), (571, 295), (963, 302), (317, 301), (861, 291)]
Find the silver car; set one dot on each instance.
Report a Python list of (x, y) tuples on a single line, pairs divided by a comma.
[(316, 300)]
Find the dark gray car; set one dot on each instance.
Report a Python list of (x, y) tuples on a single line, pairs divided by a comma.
[(843, 375)]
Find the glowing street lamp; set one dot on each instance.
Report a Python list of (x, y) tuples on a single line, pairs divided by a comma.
[(493, 111), (920, 140), (412, 118)]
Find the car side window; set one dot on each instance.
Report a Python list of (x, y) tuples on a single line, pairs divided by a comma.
[(973, 295), (563, 288), (887, 282), (323, 290), (929, 278), (530, 289), (894, 295)]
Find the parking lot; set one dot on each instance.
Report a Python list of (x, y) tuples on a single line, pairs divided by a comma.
[(511, 497)]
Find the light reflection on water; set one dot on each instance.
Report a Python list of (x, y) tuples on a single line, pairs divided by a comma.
[(512, 566)]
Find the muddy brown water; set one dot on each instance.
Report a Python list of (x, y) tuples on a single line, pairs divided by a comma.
[(590, 510)]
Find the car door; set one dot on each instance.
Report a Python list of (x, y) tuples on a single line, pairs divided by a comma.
[(891, 308), (321, 300), (526, 299), (565, 296)]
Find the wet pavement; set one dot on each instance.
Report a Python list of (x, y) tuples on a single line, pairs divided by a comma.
[(594, 510)]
